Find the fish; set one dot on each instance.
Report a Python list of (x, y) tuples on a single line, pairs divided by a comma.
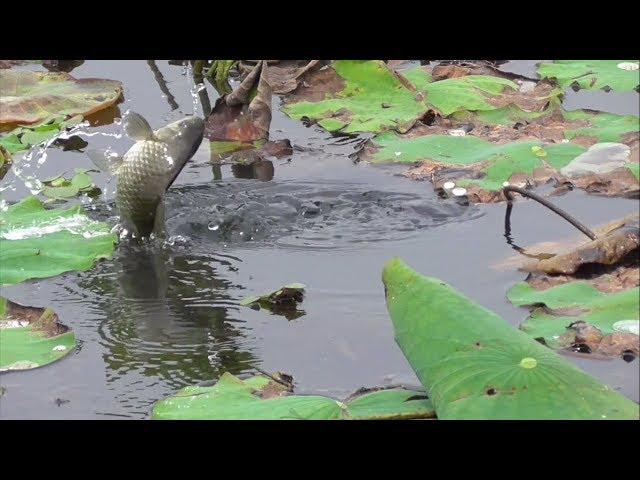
[(148, 169)]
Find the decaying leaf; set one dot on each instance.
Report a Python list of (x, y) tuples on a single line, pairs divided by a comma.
[(245, 114), (238, 126), (282, 301), (261, 398), (31, 97), (285, 76), (621, 241), (31, 337)]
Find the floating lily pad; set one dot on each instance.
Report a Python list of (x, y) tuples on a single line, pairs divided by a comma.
[(480, 164), (40, 243), (22, 138), (605, 127), (358, 96), (257, 399), (485, 98), (476, 366), (577, 313), (31, 337), (31, 97), (618, 75), (62, 188)]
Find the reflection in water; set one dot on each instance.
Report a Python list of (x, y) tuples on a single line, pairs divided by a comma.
[(166, 320), (261, 170)]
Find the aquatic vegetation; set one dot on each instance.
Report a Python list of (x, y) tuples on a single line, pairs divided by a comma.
[(22, 138), (617, 75), (260, 398), (577, 313), (39, 243), (59, 187), (31, 97), (281, 301), (359, 96), (476, 366), (31, 337)]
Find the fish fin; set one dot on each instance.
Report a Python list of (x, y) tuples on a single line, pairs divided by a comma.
[(105, 160), (136, 127)]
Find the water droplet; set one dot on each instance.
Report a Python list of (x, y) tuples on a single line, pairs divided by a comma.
[(630, 66)]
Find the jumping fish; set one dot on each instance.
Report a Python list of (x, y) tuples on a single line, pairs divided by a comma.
[(148, 169)]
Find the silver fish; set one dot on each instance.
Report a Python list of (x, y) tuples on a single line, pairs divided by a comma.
[(148, 169)]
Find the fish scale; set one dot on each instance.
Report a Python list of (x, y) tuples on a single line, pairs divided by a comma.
[(147, 163)]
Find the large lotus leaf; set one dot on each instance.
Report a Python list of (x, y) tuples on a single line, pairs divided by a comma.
[(30, 97), (31, 337), (476, 366), (40, 243), (573, 302), (499, 161), (373, 99), (606, 127), (234, 399), (619, 75)]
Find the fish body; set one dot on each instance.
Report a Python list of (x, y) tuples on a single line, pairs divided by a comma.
[(148, 169)]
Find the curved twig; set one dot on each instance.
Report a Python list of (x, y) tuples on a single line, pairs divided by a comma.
[(507, 193), (162, 84)]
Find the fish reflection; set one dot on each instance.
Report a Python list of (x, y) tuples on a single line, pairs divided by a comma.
[(261, 170), (167, 320)]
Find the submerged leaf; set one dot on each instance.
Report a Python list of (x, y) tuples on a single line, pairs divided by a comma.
[(31, 337), (39, 243), (476, 366)]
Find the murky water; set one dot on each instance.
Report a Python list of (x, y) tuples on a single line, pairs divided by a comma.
[(160, 317)]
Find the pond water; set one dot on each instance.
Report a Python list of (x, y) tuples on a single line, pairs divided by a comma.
[(157, 318)]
